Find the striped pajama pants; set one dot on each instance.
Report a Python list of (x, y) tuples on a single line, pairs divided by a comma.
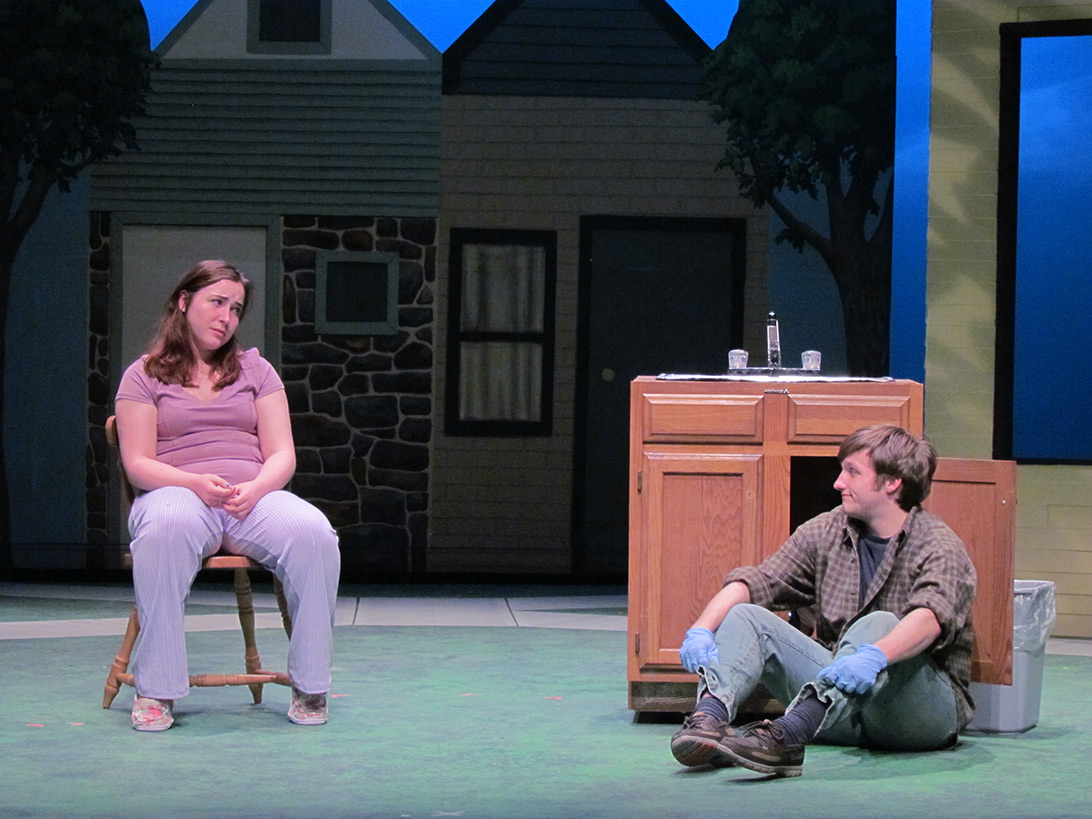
[(173, 531)]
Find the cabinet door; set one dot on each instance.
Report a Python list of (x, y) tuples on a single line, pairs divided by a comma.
[(978, 500), (701, 513)]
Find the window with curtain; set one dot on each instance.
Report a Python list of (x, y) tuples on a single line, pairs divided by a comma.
[(501, 332)]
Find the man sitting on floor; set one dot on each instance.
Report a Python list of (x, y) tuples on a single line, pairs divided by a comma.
[(889, 665)]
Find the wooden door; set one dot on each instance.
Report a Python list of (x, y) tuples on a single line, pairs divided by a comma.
[(978, 500)]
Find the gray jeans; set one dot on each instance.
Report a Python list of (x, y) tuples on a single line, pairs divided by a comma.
[(912, 706)]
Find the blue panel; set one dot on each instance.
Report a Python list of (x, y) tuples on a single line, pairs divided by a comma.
[(908, 251), (1053, 337)]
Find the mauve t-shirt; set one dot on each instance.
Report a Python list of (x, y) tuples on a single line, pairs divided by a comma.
[(218, 437)]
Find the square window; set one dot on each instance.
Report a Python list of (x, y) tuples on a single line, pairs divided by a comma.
[(288, 26), (356, 293), (290, 21)]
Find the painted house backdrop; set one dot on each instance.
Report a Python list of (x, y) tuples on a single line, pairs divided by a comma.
[(308, 154), (532, 205), (358, 153)]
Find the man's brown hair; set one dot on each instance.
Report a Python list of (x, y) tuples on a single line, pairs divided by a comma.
[(896, 455)]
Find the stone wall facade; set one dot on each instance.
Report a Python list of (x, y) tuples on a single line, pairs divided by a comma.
[(362, 406), (100, 401)]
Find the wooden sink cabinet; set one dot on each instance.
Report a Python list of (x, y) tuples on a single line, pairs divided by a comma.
[(721, 470)]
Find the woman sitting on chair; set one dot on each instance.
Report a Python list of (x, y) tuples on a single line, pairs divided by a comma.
[(206, 442)]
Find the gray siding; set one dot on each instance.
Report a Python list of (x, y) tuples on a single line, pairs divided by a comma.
[(504, 504), (223, 138), (597, 48)]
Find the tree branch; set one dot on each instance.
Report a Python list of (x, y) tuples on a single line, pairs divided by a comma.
[(9, 178), (819, 242), (28, 209), (885, 228)]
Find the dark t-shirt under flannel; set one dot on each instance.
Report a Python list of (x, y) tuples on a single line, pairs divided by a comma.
[(924, 566)]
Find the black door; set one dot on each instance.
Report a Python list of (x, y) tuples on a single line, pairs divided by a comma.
[(656, 296)]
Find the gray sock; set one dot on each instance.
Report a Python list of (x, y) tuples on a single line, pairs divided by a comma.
[(711, 705), (801, 724)]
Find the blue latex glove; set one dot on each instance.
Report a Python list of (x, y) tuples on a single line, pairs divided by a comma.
[(698, 649), (855, 673)]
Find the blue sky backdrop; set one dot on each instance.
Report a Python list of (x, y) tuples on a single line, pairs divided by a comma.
[(442, 21)]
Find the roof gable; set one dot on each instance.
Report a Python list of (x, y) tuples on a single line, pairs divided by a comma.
[(598, 48), (229, 132), (358, 29)]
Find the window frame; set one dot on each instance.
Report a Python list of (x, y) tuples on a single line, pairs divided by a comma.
[(456, 336), (387, 327), (1012, 36), (256, 45)]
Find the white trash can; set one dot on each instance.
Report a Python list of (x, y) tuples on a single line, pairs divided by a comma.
[(1015, 708)]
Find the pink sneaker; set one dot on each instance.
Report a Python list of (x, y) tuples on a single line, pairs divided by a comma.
[(150, 714), (307, 709)]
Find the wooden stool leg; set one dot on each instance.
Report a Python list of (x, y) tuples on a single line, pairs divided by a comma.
[(282, 604), (121, 661), (245, 599)]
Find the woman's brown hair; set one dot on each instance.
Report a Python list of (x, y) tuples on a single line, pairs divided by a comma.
[(171, 357)]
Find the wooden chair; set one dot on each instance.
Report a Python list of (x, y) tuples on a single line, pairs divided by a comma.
[(255, 676)]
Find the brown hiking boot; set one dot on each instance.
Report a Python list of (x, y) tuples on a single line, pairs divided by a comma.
[(761, 747), (699, 740)]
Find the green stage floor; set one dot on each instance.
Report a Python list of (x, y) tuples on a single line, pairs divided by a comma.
[(503, 719)]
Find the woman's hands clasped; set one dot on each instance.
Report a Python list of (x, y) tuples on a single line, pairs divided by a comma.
[(237, 500), (213, 490), (242, 501)]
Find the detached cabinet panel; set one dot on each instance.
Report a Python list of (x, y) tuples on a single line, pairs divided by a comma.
[(711, 489), (978, 500)]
